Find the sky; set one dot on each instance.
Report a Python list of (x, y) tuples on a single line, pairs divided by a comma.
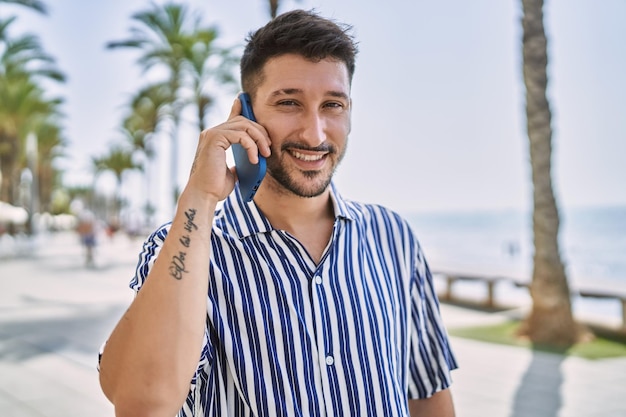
[(438, 117)]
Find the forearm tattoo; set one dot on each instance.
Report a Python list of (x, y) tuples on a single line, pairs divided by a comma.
[(177, 265)]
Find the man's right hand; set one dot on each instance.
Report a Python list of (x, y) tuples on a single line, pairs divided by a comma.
[(210, 173)]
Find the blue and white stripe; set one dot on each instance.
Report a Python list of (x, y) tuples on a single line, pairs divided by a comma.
[(357, 334)]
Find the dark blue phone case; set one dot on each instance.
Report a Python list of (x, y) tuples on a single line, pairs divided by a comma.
[(249, 175)]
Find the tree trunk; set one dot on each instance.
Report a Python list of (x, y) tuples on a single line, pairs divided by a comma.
[(46, 175), (273, 8), (8, 162), (550, 320), (174, 159)]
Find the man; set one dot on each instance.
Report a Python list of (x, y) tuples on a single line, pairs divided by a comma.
[(86, 229), (299, 303)]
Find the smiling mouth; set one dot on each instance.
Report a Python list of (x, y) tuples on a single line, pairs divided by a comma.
[(307, 157)]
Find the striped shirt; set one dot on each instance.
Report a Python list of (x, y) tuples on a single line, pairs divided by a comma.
[(357, 334)]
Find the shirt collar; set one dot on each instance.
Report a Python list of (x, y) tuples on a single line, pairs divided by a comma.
[(246, 218), (340, 205)]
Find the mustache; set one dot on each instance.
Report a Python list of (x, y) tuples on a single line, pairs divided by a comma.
[(324, 147)]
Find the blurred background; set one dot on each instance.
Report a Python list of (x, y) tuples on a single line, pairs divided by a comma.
[(101, 120), (101, 104)]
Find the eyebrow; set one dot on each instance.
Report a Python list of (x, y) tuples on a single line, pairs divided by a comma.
[(293, 91)]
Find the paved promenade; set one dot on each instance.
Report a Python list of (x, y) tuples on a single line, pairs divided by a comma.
[(55, 313)]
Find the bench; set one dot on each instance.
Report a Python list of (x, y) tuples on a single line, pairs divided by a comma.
[(603, 294), (491, 281), (451, 279)]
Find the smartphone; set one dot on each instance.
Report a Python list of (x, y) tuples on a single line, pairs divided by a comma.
[(249, 175)]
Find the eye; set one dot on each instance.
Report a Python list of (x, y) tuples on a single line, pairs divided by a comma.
[(334, 105), (287, 103)]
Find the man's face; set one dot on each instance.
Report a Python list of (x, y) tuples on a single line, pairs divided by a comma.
[(305, 107)]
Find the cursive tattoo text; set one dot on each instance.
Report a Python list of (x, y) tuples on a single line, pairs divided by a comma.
[(177, 267), (189, 224)]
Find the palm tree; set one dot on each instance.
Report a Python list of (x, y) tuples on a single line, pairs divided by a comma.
[(161, 37), (148, 110), (550, 320), (273, 8), (171, 37), (50, 146), (19, 90), (210, 68), (118, 160), (23, 104), (36, 5), (23, 107), (274, 5)]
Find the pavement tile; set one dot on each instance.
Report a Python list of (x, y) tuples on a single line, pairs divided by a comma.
[(11, 407)]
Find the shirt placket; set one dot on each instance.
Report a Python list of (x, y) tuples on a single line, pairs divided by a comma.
[(326, 355)]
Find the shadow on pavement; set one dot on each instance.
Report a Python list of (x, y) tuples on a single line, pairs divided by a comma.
[(539, 391), (83, 332)]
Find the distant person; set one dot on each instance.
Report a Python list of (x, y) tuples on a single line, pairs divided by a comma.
[(112, 227), (512, 248), (299, 303), (86, 229)]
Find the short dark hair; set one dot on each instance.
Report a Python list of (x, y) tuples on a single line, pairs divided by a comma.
[(298, 32)]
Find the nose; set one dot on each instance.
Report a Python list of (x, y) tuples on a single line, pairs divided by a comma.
[(314, 129)]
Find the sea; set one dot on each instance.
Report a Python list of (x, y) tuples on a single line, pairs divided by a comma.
[(592, 244)]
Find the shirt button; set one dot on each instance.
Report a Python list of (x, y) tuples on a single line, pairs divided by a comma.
[(318, 280), (329, 360)]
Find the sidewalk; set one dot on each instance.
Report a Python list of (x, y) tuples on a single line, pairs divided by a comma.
[(55, 313), (505, 381)]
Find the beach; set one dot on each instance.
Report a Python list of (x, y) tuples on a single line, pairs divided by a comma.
[(498, 243)]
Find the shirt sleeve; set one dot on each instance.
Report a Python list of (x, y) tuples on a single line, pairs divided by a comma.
[(148, 255), (430, 356)]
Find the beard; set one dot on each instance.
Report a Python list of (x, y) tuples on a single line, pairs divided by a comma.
[(306, 184)]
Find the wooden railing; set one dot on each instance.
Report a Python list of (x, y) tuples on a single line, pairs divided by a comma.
[(490, 282)]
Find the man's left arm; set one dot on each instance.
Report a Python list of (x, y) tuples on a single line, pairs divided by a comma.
[(438, 405)]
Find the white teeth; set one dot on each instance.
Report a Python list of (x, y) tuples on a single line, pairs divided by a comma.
[(307, 158)]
